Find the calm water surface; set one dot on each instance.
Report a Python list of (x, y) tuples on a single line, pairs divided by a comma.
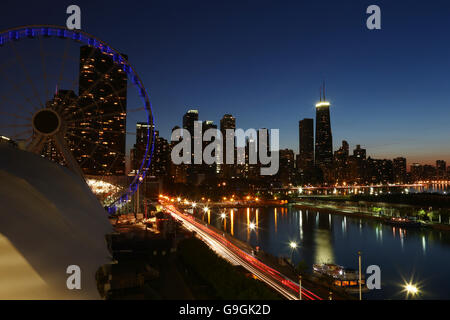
[(402, 254)]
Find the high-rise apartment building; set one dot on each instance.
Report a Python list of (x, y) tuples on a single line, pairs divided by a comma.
[(103, 105), (399, 167), (324, 138), (306, 143)]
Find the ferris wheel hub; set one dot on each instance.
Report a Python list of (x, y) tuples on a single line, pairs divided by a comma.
[(46, 122)]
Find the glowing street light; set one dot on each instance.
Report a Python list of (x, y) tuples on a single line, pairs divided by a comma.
[(205, 209), (178, 199), (194, 204), (223, 215), (411, 289), (252, 226), (293, 246)]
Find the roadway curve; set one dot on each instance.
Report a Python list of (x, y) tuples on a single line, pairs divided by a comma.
[(283, 285)]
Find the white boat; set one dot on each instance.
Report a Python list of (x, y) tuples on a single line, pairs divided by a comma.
[(342, 277)]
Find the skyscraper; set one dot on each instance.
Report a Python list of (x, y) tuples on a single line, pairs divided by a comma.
[(324, 139), (399, 166), (441, 169), (359, 152), (227, 122), (188, 121), (209, 169), (306, 143), (103, 103), (341, 163), (142, 130)]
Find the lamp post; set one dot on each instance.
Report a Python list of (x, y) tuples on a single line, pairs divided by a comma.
[(411, 289), (360, 288), (300, 287), (293, 245), (137, 196)]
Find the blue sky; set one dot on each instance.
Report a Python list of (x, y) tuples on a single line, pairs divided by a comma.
[(263, 62)]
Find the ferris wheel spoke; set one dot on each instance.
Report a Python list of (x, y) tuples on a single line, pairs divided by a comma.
[(15, 125), (37, 144), (27, 76), (99, 80), (65, 54), (19, 106), (16, 90), (110, 167), (95, 143), (107, 115), (62, 147), (95, 103), (44, 66), (104, 116), (18, 135), (76, 80), (14, 115), (105, 131)]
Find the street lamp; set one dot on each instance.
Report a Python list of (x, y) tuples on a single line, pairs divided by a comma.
[(360, 276), (293, 246), (205, 209), (194, 204), (411, 289), (252, 226), (223, 215)]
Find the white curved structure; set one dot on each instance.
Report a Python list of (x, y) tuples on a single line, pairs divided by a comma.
[(49, 219)]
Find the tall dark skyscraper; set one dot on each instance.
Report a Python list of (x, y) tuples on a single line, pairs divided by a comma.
[(103, 101), (359, 153), (227, 122), (142, 130), (399, 169), (188, 121), (192, 170), (441, 169), (306, 142), (324, 139)]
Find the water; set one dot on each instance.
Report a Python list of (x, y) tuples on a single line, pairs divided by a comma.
[(420, 255)]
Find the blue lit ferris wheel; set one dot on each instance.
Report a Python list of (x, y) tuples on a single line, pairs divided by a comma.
[(69, 96)]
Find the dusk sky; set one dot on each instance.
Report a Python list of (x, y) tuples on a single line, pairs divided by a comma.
[(264, 61)]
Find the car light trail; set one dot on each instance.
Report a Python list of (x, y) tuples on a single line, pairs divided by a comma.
[(286, 287)]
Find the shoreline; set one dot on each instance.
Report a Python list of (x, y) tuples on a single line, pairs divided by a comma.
[(271, 204), (436, 226)]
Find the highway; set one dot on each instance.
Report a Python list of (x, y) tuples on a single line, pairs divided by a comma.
[(283, 285)]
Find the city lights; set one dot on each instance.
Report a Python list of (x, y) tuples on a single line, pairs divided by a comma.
[(223, 215), (252, 226), (101, 187), (293, 244), (205, 209)]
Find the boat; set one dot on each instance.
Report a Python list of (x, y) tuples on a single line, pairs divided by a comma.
[(403, 222), (341, 276)]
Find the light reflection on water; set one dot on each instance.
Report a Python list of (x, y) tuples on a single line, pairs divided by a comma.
[(324, 237)]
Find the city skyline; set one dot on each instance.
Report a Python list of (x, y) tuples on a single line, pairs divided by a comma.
[(336, 144), (381, 96)]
